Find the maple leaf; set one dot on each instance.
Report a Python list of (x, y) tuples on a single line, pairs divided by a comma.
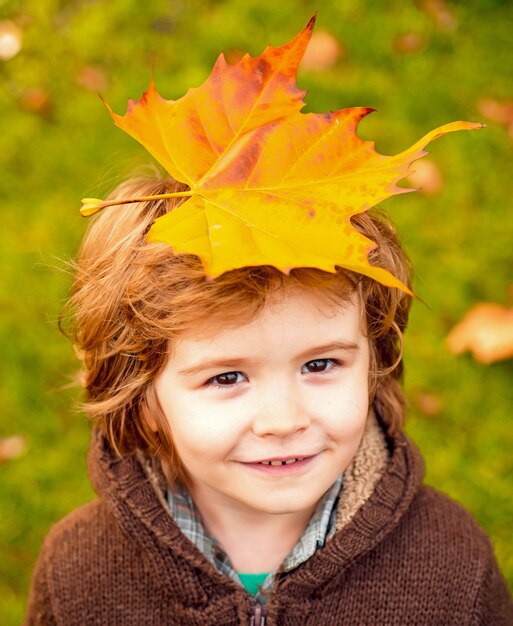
[(268, 184)]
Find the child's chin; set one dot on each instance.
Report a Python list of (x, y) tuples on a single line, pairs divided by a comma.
[(276, 501)]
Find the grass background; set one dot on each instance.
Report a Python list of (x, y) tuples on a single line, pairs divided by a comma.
[(58, 144)]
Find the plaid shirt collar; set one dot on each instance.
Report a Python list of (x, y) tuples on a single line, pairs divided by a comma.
[(320, 528)]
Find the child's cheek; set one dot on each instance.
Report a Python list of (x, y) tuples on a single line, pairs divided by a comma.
[(206, 428)]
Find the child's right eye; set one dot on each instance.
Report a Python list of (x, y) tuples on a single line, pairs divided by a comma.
[(226, 379)]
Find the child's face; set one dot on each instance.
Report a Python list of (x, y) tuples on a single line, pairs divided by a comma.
[(291, 384)]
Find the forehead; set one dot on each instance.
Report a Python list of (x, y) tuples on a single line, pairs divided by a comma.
[(289, 317)]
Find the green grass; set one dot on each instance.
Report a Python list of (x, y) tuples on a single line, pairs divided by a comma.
[(459, 239)]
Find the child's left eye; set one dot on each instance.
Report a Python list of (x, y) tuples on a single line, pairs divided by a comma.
[(318, 366)]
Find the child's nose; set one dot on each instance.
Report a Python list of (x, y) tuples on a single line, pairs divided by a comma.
[(280, 412)]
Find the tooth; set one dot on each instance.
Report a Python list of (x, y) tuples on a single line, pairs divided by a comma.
[(276, 463)]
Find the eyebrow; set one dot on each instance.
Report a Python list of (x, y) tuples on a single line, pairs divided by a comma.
[(228, 363), (347, 346), (214, 364)]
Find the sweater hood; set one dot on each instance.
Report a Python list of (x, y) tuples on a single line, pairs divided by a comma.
[(379, 487)]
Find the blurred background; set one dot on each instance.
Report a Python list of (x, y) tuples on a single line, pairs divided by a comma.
[(419, 63)]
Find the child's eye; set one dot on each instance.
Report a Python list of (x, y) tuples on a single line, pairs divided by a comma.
[(226, 379), (318, 366)]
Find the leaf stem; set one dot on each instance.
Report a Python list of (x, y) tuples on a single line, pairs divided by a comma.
[(90, 206)]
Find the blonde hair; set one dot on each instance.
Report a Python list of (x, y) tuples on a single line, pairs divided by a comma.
[(130, 299)]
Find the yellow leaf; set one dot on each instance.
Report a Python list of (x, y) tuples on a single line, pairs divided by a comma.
[(268, 184)]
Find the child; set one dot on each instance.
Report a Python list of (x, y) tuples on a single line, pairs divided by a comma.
[(248, 449)]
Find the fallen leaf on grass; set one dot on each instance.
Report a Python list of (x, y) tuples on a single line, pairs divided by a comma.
[(428, 403), (322, 53), (37, 100), (92, 78), (440, 12), (426, 177), (497, 111), (406, 43), (12, 447), (486, 331)]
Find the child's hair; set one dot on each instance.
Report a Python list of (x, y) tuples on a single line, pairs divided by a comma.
[(130, 299)]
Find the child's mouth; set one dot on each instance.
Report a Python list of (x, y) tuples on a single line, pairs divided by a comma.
[(282, 466), (287, 462)]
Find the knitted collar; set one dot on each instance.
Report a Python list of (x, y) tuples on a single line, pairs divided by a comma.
[(363, 472)]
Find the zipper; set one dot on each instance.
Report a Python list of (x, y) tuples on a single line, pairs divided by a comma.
[(258, 615)]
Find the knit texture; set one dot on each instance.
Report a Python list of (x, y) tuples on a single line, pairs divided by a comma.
[(403, 554)]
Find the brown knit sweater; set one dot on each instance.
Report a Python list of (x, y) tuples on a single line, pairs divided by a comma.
[(404, 554)]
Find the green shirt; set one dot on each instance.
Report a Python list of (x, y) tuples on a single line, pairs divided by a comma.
[(252, 582)]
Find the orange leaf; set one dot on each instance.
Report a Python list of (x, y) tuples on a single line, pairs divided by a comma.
[(268, 185), (487, 331)]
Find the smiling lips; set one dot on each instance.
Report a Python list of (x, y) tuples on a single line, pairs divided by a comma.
[(282, 466), (282, 460)]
